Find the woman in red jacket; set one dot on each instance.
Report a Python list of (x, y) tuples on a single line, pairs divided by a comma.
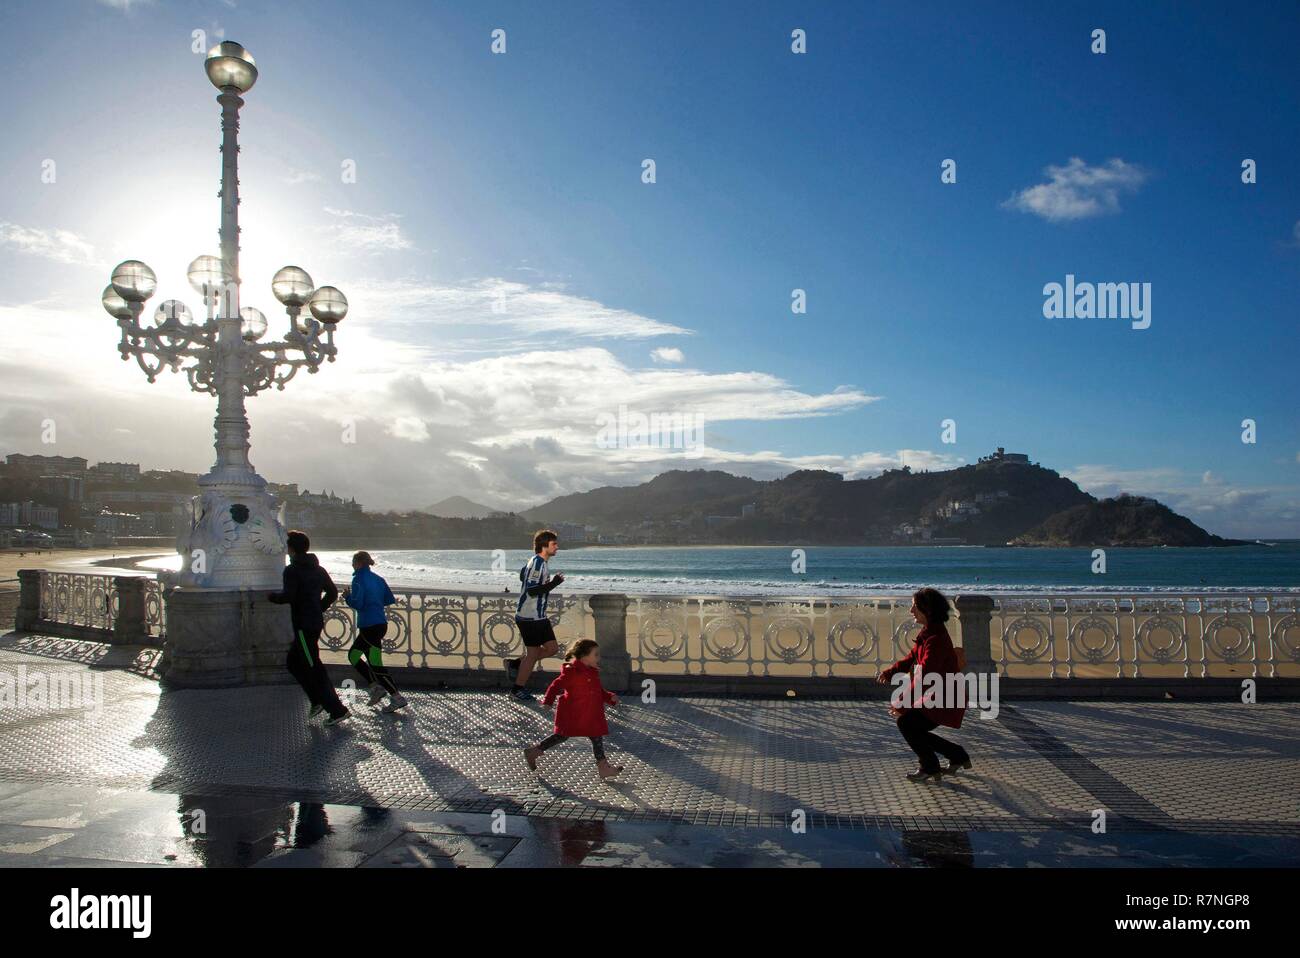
[(932, 654), (581, 709)]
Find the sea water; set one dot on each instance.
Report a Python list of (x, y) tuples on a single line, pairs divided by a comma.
[(757, 571)]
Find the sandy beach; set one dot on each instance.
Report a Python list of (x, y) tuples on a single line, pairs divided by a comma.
[(104, 561)]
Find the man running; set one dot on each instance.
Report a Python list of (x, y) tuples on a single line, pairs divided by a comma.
[(535, 585), (308, 591)]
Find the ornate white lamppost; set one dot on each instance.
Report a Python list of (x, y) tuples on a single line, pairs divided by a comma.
[(236, 539)]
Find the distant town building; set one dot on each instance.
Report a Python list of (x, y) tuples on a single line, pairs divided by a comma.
[(160, 513), (47, 465), (913, 532), (20, 538), (958, 509), (74, 539), (175, 476), (116, 471), (72, 488), (29, 514), (327, 500), (121, 524), (321, 510)]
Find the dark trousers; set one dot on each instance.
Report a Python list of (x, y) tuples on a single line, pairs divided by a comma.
[(918, 729), (304, 664), (366, 656), (597, 745)]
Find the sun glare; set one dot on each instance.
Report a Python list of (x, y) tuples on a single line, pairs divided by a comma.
[(168, 236)]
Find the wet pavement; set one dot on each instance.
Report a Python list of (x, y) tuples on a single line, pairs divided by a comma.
[(86, 826), (238, 777)]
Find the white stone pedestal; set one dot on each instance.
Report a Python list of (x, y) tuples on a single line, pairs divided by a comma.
[(223, 637)]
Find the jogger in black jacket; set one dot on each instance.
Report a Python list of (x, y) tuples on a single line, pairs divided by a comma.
[(308, 591)]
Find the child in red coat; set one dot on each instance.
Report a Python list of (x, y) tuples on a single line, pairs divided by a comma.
[(581, 709)]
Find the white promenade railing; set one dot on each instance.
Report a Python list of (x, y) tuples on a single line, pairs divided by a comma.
[(1030, 636), (1048, 636), (1157, 636), (93, 601), (729, 635), (429, 629)]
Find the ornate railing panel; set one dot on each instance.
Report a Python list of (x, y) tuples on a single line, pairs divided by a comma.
[(455, 631), (92, 600), (74, 598), (1190, 636), (719, 635), (155, 609)]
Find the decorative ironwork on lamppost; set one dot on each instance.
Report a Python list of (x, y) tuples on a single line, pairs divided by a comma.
[(236, 539)]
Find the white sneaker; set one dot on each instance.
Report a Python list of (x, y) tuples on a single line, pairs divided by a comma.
[(395, 702), (377, 693)]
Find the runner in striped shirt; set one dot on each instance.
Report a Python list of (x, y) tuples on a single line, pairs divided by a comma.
[(535, 585)]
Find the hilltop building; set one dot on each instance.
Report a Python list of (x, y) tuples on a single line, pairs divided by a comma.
[(1001, 455)]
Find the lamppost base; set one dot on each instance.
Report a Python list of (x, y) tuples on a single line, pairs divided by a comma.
[(223, 637)]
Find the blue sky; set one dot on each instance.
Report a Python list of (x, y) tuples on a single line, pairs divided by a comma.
[(515, 179)]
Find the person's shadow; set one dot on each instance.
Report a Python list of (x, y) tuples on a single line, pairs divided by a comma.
[(240, 758)]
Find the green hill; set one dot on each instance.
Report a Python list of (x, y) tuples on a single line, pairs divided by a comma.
[(1122, 521), (996, 501)]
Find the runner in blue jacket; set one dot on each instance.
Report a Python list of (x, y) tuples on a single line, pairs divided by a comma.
[(369, 595)]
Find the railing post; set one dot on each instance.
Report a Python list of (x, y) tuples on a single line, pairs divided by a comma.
[(609, 612), (29, 600), (128, 624), (975, 612)]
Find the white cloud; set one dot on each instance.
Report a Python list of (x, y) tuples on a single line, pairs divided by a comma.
[(62, 246), (1079, 191), (295, 176), (518, 428), (363, 233), (526, 310), (409, 427), (1108, 481), (1212, 502), (667, 354)]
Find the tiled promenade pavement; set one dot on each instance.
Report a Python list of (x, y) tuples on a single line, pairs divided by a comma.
[(1192, 782)]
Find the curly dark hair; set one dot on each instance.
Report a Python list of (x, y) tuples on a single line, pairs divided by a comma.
[(933, 605), (543, 537), (579, 648)]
